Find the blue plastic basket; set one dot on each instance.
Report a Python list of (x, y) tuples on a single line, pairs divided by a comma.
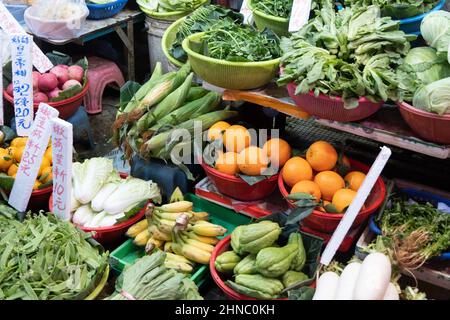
[(105, 11), (412, 25), (420, 196)]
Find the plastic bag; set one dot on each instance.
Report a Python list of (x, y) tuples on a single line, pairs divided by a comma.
[(59, 9)]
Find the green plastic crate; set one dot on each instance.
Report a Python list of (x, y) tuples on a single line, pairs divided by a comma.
[(127, 253)]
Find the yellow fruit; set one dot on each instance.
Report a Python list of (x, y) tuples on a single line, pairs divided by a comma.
[(252, 161), (46, 175), (227, 163), (18, 152), (45, 163), (48, 154), (296, 169), (19, 142), (36, 185), (343, 198), (354, 179), (308, 187), (216, 131), (5, 160), (236, 138), (329, 182), (12, 171), (278, 151), (322, 156)]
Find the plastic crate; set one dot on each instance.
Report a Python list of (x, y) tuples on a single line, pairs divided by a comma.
[(127, 253), (105, 11), (421, 196)]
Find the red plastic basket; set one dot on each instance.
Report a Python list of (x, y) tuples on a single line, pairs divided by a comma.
[(329, 108), (106, 235), (39, 199), (328, 222), (66, 108), (237, 188), (427, 125)]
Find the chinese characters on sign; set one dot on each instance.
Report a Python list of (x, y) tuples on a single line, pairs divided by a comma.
[(22, 80), (299, 14), (32, 157), (10, 25), (62, 141)]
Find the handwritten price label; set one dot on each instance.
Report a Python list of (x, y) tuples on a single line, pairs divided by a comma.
[(246, 12), (62, 141), (299, 14), (32, 157)]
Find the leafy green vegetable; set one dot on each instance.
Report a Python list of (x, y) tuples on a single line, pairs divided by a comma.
[(350, 54), (277, 8), (200, 20), (169, 5), (435, 29), (399, 9), (434, 97)]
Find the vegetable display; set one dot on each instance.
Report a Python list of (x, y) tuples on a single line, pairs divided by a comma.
[(45, 258), (276, 8), (435, 30), (149, 279), (434, 97), (351, 53), (169, 5), (100, 198), (398, 9), (200, 20)]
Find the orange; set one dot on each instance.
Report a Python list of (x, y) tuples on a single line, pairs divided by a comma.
[(322, 156), (217, 129), (355, 179), (48, 154), (278, 151), (46, 175), (296, 169), (5, 160), (324, 204), (236, 138), (19, 142), (308, 187), (329, 182), (12, 171), (18, 152), (227, 163), (342, 199), (45, 163), (36, 185), (252, 161)]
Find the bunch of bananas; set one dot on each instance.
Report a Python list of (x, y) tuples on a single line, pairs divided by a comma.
[(175, 228)]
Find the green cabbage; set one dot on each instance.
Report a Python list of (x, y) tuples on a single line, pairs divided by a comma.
[(427, 65), (434, 97), (435, 29)]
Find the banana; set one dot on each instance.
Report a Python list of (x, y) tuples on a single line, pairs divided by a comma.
[(209, 240), (204, 246), (199, 216), (137, 228), (153, 243), (178, 206), (176, 257), (168, 246), (172, 215), (142, 238), (208, 229), (178, 266), (195, 254), (159, 235)]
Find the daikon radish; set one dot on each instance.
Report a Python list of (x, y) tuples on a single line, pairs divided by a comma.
[(391, 293), (326, 286), (347, 281), (374, 277)]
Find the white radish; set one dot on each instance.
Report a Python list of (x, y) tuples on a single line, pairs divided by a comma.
[(391, 293), (347, 281), (374, 277), (326, 286)]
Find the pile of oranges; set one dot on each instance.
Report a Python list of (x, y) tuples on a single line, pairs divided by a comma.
[(317, 175), (241, 157), (10, 159)]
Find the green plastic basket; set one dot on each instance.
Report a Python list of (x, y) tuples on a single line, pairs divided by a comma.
[(229, 75), (262, 20), (168, 38), (171, 16), (127, 253)]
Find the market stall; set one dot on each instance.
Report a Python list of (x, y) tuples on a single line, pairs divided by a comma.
[(292, 150)]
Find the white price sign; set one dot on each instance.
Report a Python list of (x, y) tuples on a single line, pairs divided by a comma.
[(22, 80), (10, 25), (62, 141), (299, 14), (246, 12), (32, 157)]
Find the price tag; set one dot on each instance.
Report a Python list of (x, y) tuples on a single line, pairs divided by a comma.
[(62, 141), (22, 81), (246, 12), (10, 25), (299, 14), (32, 157), (2, 41)]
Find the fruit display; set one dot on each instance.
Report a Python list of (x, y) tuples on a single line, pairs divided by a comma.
[(261, 266)]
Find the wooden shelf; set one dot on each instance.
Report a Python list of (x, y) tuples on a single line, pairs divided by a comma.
[(386, 126)]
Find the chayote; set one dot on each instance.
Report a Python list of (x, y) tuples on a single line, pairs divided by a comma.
[(227, 261), (254, 237), (246, 265), (300, 258), (274, 262), (291, 277), (258, 286)]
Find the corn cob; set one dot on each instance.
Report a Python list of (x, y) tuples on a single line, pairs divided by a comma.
[(196, 93), (142, 238), (137, 228)]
